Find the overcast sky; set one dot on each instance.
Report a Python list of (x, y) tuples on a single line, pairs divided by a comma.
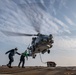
[(57, 17)]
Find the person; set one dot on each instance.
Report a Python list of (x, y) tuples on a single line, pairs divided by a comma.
[(22, 58), (11, 52)]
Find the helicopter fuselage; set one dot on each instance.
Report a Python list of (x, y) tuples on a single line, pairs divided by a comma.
[(41, 43)]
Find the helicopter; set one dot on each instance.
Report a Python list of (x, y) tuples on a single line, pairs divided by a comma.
[(40, 43)]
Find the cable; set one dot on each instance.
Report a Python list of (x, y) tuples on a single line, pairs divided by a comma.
[(41, 59)]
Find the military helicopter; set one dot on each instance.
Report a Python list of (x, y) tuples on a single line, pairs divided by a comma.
[(40, 43)]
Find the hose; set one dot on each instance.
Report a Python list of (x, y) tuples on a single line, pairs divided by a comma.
[(41, 59)]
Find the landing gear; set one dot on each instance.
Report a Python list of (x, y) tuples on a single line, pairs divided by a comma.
[(44, 51), (48, 51), (34, 56)]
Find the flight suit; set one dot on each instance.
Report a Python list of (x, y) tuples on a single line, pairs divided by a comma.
[(10, 56)]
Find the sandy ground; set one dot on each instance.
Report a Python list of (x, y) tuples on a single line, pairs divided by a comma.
[(5, 74), (38, 71)]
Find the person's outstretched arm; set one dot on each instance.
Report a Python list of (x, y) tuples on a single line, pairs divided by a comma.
[(8, 52), (18, 53)]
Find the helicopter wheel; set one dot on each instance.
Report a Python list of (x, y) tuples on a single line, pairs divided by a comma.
[(44, 51), (48, 51), (34, 56)]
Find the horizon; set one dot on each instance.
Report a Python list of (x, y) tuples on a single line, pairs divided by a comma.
[(56, 17)]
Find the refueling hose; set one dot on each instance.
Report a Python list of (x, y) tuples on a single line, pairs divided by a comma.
[(41, 59)]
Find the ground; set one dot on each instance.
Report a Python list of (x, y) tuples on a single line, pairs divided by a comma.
[(38, 70)]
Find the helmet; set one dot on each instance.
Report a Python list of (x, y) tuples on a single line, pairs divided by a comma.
[(16, 48)]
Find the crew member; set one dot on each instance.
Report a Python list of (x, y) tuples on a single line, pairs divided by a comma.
[(11, 52), (22, 58)]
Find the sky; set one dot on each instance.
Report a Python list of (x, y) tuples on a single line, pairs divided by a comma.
[(56, 17)]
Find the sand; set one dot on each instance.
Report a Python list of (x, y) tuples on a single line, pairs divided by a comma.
[(38, 70)]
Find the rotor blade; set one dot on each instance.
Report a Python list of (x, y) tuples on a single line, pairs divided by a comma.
[(65, 34), (8, 33)]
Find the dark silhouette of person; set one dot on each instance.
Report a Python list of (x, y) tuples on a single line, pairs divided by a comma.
[(11, 52), (22, 59)]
